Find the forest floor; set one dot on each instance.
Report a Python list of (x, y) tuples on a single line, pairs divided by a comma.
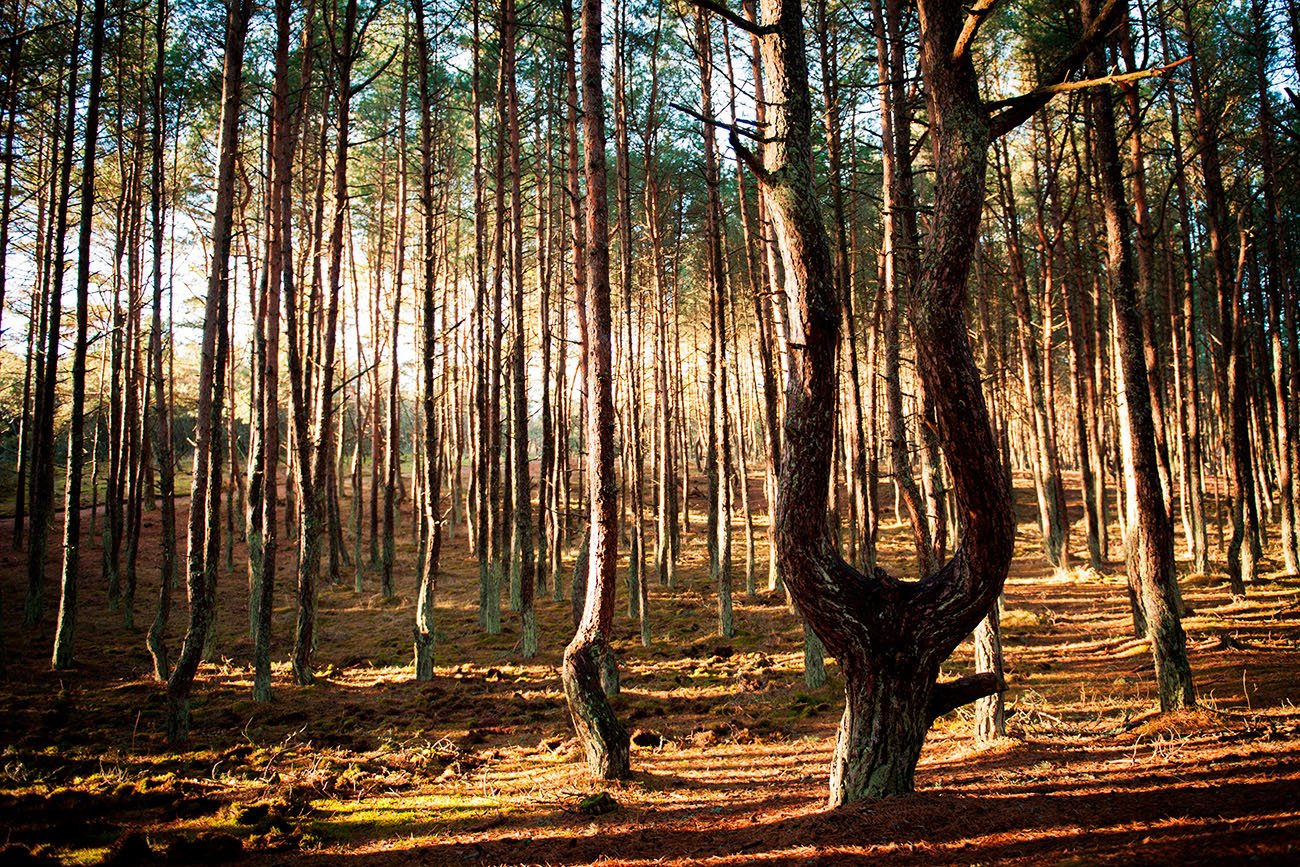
[(731, 750)]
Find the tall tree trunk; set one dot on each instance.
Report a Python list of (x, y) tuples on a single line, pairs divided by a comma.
[(603, 738), (634, 483), (900, 262), (1284, 398), (522, 495), (860, 531), (62, 656), (1149, 542), (393, 423), (719, 446), (1034, 370), (432, 479), (161, 429), (205, 491), (42, 461), (1233, 383)]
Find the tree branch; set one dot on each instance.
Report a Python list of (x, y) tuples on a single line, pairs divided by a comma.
[(975, 15), (729, 127), (750, 159), (739, 20), (1068, 86), (1023, 107), (952, 694)]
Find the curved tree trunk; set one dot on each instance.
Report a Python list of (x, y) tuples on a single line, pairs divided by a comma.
[(889, 636)]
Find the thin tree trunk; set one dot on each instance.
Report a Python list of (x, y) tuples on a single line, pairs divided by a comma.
[(62, 655), (603, 738), (432, 479), (1149, 542), (42, 493), (205, 492)]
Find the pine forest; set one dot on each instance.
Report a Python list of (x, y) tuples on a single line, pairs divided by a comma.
[(745, 432)]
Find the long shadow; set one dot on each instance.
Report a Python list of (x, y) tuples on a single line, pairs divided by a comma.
[(1202, 825)]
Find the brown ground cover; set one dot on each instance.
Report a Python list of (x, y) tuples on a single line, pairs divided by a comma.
[(731, 750)]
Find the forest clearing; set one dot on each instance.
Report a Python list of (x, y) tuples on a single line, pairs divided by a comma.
[(649, 431), (479, 765)]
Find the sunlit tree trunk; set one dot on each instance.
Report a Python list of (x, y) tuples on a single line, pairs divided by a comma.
[(1284, 422), (637, 594), (718, 461), (1034, 372), (1233, 376), (603, 738), (1149, 542)]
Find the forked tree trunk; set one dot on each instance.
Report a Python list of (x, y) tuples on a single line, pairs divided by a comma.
[(889, 636), (603, 738)]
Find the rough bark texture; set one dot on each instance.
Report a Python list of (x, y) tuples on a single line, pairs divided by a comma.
[(889, 636), (1149, 542), (603, 738)]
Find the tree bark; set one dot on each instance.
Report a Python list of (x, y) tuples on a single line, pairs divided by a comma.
[(889, 636), (1149, 543), (62, 655), (603, 738), (161, 428), (432, 479), (1233, 383), (205, 491)]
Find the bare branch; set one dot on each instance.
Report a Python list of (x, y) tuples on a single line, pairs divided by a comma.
[(978, 11), (1040, 96), (729, 127), (750, 159), (739, 20), (1023, 107)]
